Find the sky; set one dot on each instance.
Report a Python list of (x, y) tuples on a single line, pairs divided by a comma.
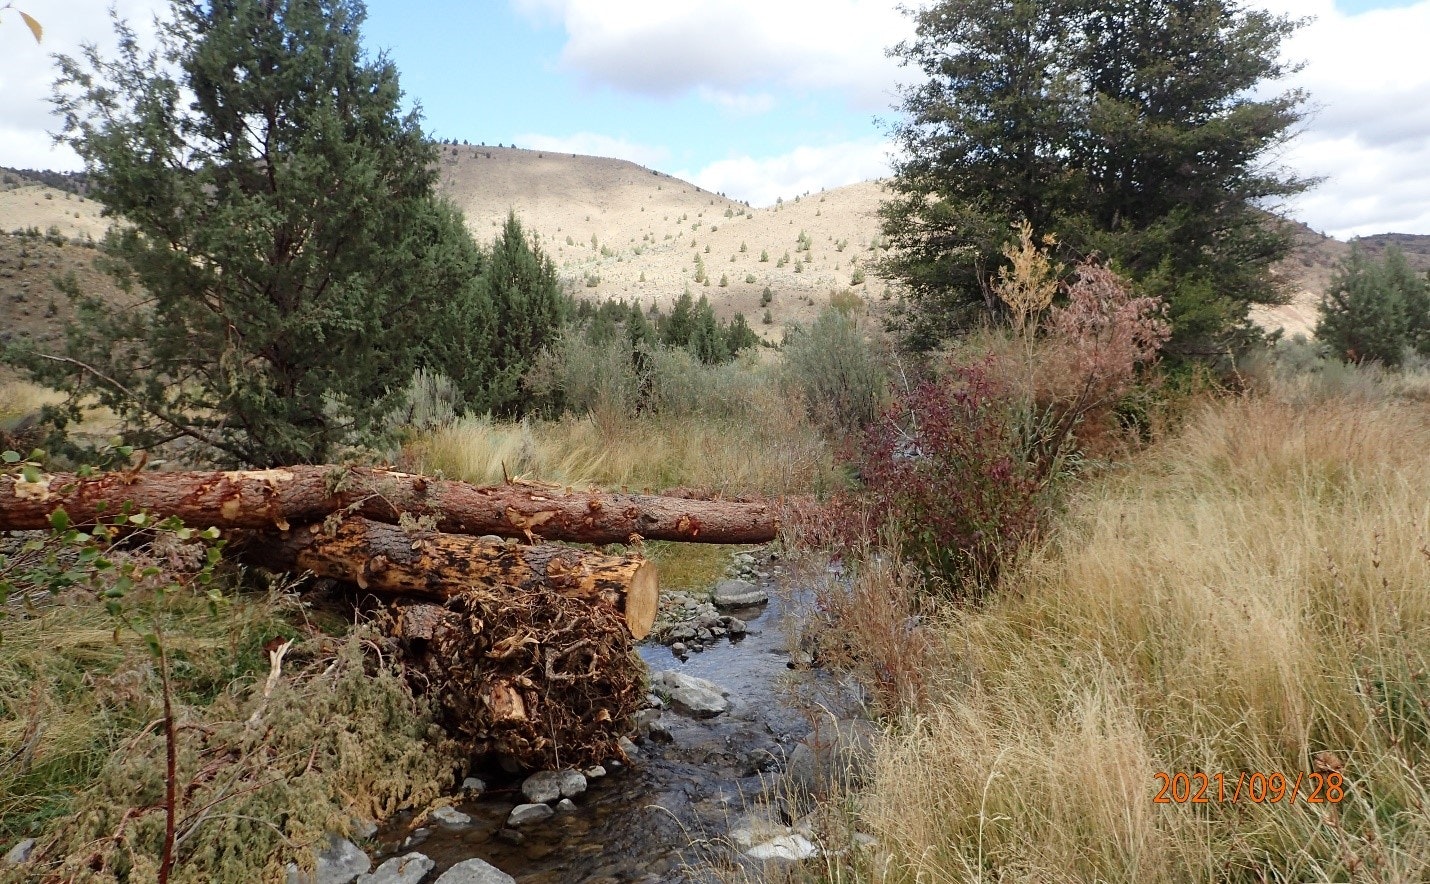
[(760, 99)]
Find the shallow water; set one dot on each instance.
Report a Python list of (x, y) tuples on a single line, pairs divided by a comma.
[(662, 818)]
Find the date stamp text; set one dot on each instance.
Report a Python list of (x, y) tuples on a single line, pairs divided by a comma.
[(1255, 787)]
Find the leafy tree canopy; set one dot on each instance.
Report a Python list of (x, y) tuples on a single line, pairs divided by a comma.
[(1129, 128)]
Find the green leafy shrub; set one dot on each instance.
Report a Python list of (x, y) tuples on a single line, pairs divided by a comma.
[(834, 370)]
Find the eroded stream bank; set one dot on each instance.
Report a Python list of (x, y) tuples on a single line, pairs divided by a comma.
[(698, 777)]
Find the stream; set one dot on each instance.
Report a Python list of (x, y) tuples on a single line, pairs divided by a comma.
[(666, 816)]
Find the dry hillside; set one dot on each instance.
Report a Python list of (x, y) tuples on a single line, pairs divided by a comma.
[(26, 204), (620, 230)]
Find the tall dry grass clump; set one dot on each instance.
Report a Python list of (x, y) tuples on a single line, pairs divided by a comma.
[(642, 418), (768, 448), (1252, 596)]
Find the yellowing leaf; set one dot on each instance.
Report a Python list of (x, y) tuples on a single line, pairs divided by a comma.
[(35, 27)]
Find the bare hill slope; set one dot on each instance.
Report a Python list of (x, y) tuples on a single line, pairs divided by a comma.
[(619, 230), (26, 204)]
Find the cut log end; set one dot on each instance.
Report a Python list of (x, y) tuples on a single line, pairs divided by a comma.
[(642, 600)]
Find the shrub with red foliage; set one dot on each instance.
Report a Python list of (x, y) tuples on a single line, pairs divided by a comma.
[(944, 468), (962, 470), (1107, 331)]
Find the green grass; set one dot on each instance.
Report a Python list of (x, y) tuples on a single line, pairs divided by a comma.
[(696, 566), (73, 689)]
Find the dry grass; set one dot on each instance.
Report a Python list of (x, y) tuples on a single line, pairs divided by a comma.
[(770, 450), (19, 398), (1254, 593)]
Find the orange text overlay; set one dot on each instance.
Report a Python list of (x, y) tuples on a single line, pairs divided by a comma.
[(1257, 788)]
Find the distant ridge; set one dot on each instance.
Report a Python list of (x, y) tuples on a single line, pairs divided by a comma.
[(70, 182), (617, 229)]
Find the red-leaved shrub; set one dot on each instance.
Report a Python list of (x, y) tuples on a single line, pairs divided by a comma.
[(944, 468)]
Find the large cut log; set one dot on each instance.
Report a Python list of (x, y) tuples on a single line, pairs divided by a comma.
[(431, 565), (280, 497)]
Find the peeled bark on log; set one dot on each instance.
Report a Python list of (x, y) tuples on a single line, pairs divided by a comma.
[(545, 680), (431, 565), (280, 497)]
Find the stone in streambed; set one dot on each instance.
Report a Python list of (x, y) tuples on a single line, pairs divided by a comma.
[(340, 862), (549, 785), (450, 816), (788, 847), (475, 871), (738, 594), (528, 813), (409, 869), (834, 754), (693, 696)]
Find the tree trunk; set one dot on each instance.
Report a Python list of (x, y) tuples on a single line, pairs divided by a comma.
[(280, 497), (430, 565)]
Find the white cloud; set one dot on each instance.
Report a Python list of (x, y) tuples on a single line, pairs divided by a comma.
[(760, 181), (739, 104), (1371, 133), (596, 144), (1370, 136), (27, 70), (732, 47)]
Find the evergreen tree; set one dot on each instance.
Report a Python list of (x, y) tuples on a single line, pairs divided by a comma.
[(1126, 127), (707, 338), (638, 330), (1376, 311), (739, 335), (678, 327), (279, 216), (529, 309)]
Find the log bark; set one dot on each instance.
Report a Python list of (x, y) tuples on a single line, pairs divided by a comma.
[(290, 496), (432, 565)]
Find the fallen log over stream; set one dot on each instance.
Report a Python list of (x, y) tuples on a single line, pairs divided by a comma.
[(263, 499), (525, 651), (430, 565)]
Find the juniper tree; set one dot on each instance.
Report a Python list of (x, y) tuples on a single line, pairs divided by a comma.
[(1376, 310), (528, 308), (1129, 128), (278, 216)]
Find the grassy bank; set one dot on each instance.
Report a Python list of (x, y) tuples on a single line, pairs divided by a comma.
[(266, 764), (1252, 595)]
